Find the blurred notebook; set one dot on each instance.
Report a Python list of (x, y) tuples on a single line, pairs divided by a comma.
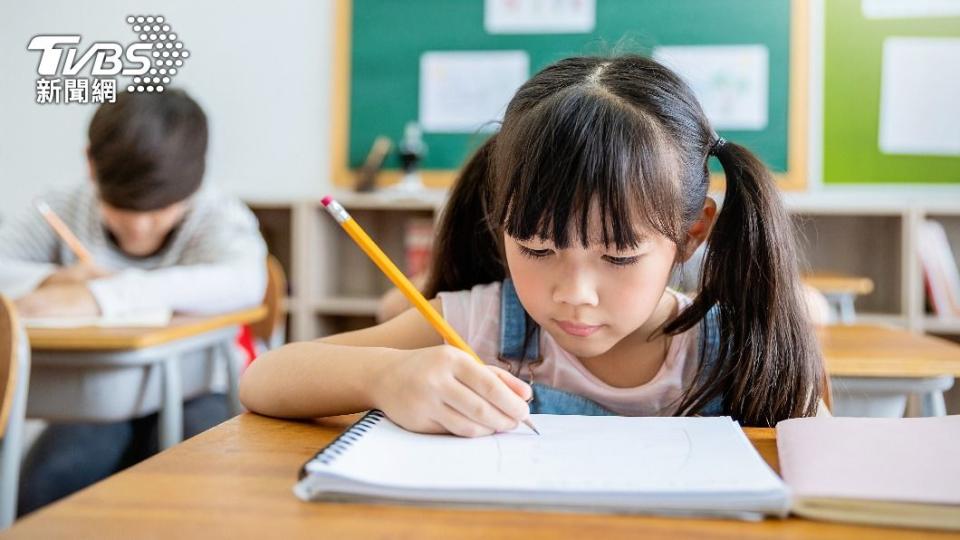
[(154, 318), (883, 471), (683, 466)]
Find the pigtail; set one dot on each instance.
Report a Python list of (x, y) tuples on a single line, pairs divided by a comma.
[(769, 365), (466, 251)]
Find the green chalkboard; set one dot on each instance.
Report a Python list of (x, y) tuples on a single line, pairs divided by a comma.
[(853, 59), (387, 38)]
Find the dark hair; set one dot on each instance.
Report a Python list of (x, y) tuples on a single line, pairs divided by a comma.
[(627, 134), (148, 151)]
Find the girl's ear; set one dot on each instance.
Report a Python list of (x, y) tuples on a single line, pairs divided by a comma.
[(700, 229)]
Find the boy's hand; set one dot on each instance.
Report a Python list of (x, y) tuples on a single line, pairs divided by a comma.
[(77, 273), (444, 390), (64, 299)]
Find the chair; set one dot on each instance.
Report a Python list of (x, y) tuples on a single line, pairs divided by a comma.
[(14, 379), (827, 392), (271, 330)]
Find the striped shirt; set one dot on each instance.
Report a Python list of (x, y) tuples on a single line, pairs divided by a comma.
[(214, 260)]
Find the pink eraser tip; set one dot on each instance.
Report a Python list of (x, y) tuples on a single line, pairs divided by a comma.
[(326, 200)]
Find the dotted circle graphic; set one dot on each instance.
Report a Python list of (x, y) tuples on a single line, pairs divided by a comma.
[(166, 51)]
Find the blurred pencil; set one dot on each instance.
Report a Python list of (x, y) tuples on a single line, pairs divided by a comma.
[(64, 232)]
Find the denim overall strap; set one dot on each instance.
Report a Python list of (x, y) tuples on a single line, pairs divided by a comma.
[(710, 327), (513, 328)]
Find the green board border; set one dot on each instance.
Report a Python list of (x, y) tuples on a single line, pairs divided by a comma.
[(853, 56)]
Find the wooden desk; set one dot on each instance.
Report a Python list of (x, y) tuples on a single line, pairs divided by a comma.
[(236, 480), (885, 361), (109, 374), (841, 291), (879, 351), (180, 327)]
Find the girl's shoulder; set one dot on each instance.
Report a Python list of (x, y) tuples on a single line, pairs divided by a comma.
[(475, 300), (475, 315)]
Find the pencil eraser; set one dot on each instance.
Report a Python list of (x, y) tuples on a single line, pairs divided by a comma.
[(326, 200)]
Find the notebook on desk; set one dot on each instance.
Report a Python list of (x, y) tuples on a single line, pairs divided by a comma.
[(882, 471), (144, 319), (684, 466)]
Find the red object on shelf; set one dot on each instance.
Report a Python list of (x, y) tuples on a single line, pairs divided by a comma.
[(418, 243)]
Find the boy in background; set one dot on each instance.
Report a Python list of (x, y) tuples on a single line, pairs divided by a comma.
[(159, 239)]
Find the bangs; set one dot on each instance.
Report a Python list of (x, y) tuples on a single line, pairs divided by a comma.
[(582, 147)]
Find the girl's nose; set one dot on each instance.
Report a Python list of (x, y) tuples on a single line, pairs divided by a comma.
[(575, 288)]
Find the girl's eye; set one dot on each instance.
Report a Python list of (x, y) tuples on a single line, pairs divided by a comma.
[(622, 261), (533, 253)]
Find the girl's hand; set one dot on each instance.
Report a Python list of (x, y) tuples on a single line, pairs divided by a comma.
[(444, 390)]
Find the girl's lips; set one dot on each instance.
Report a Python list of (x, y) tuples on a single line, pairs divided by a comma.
[(579, 330)]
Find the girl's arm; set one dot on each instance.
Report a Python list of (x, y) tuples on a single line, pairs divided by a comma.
[(401, 367)]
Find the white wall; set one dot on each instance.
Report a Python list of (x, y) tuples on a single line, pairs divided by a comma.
[(261, 71)]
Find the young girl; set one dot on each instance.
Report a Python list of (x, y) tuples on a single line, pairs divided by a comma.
[(552, 262)]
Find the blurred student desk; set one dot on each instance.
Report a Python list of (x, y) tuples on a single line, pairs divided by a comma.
[(110, 374), (874, 368), (840, 290), (236, 480)]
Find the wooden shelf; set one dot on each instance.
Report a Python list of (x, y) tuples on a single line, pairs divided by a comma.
[(428, 199), (871, 234), (941, 325)]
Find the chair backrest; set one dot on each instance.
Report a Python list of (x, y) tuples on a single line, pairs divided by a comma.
[(9, 346), (273, 299), (827, 391)]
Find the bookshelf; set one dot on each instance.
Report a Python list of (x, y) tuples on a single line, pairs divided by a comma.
[(875, 233), (949, 216), (334, 288)]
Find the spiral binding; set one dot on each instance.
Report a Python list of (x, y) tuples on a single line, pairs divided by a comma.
[(338, 446)]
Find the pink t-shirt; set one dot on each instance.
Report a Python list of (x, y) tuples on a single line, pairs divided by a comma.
[(475, 315)]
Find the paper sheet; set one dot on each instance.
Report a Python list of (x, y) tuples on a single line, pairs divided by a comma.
[(919, 104), (573, 453), (158, 318), (462, 92), (730, 81), (539, 16), (902, 9)]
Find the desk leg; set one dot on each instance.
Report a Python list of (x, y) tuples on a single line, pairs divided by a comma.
[(848, 314), (933, 404), (233, 377), (171, 411)]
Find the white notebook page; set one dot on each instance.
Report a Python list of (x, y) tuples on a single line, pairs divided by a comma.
[(154, 318), (572, 454)]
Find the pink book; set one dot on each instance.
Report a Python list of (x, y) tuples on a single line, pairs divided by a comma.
[(894, 471)]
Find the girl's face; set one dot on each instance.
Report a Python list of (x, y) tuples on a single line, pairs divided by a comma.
[(589, 299)]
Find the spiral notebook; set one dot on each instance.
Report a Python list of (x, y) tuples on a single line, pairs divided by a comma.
[(685, 466)]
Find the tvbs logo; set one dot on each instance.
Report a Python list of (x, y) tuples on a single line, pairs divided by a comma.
[(107, 57), (152, 62)]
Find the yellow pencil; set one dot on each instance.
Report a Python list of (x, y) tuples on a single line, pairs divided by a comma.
[(396, 276), (64, 232)]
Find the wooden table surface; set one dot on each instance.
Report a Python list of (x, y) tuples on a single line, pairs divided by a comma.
[(100, 339), (836, 283), (879, 351), (236, 480)]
